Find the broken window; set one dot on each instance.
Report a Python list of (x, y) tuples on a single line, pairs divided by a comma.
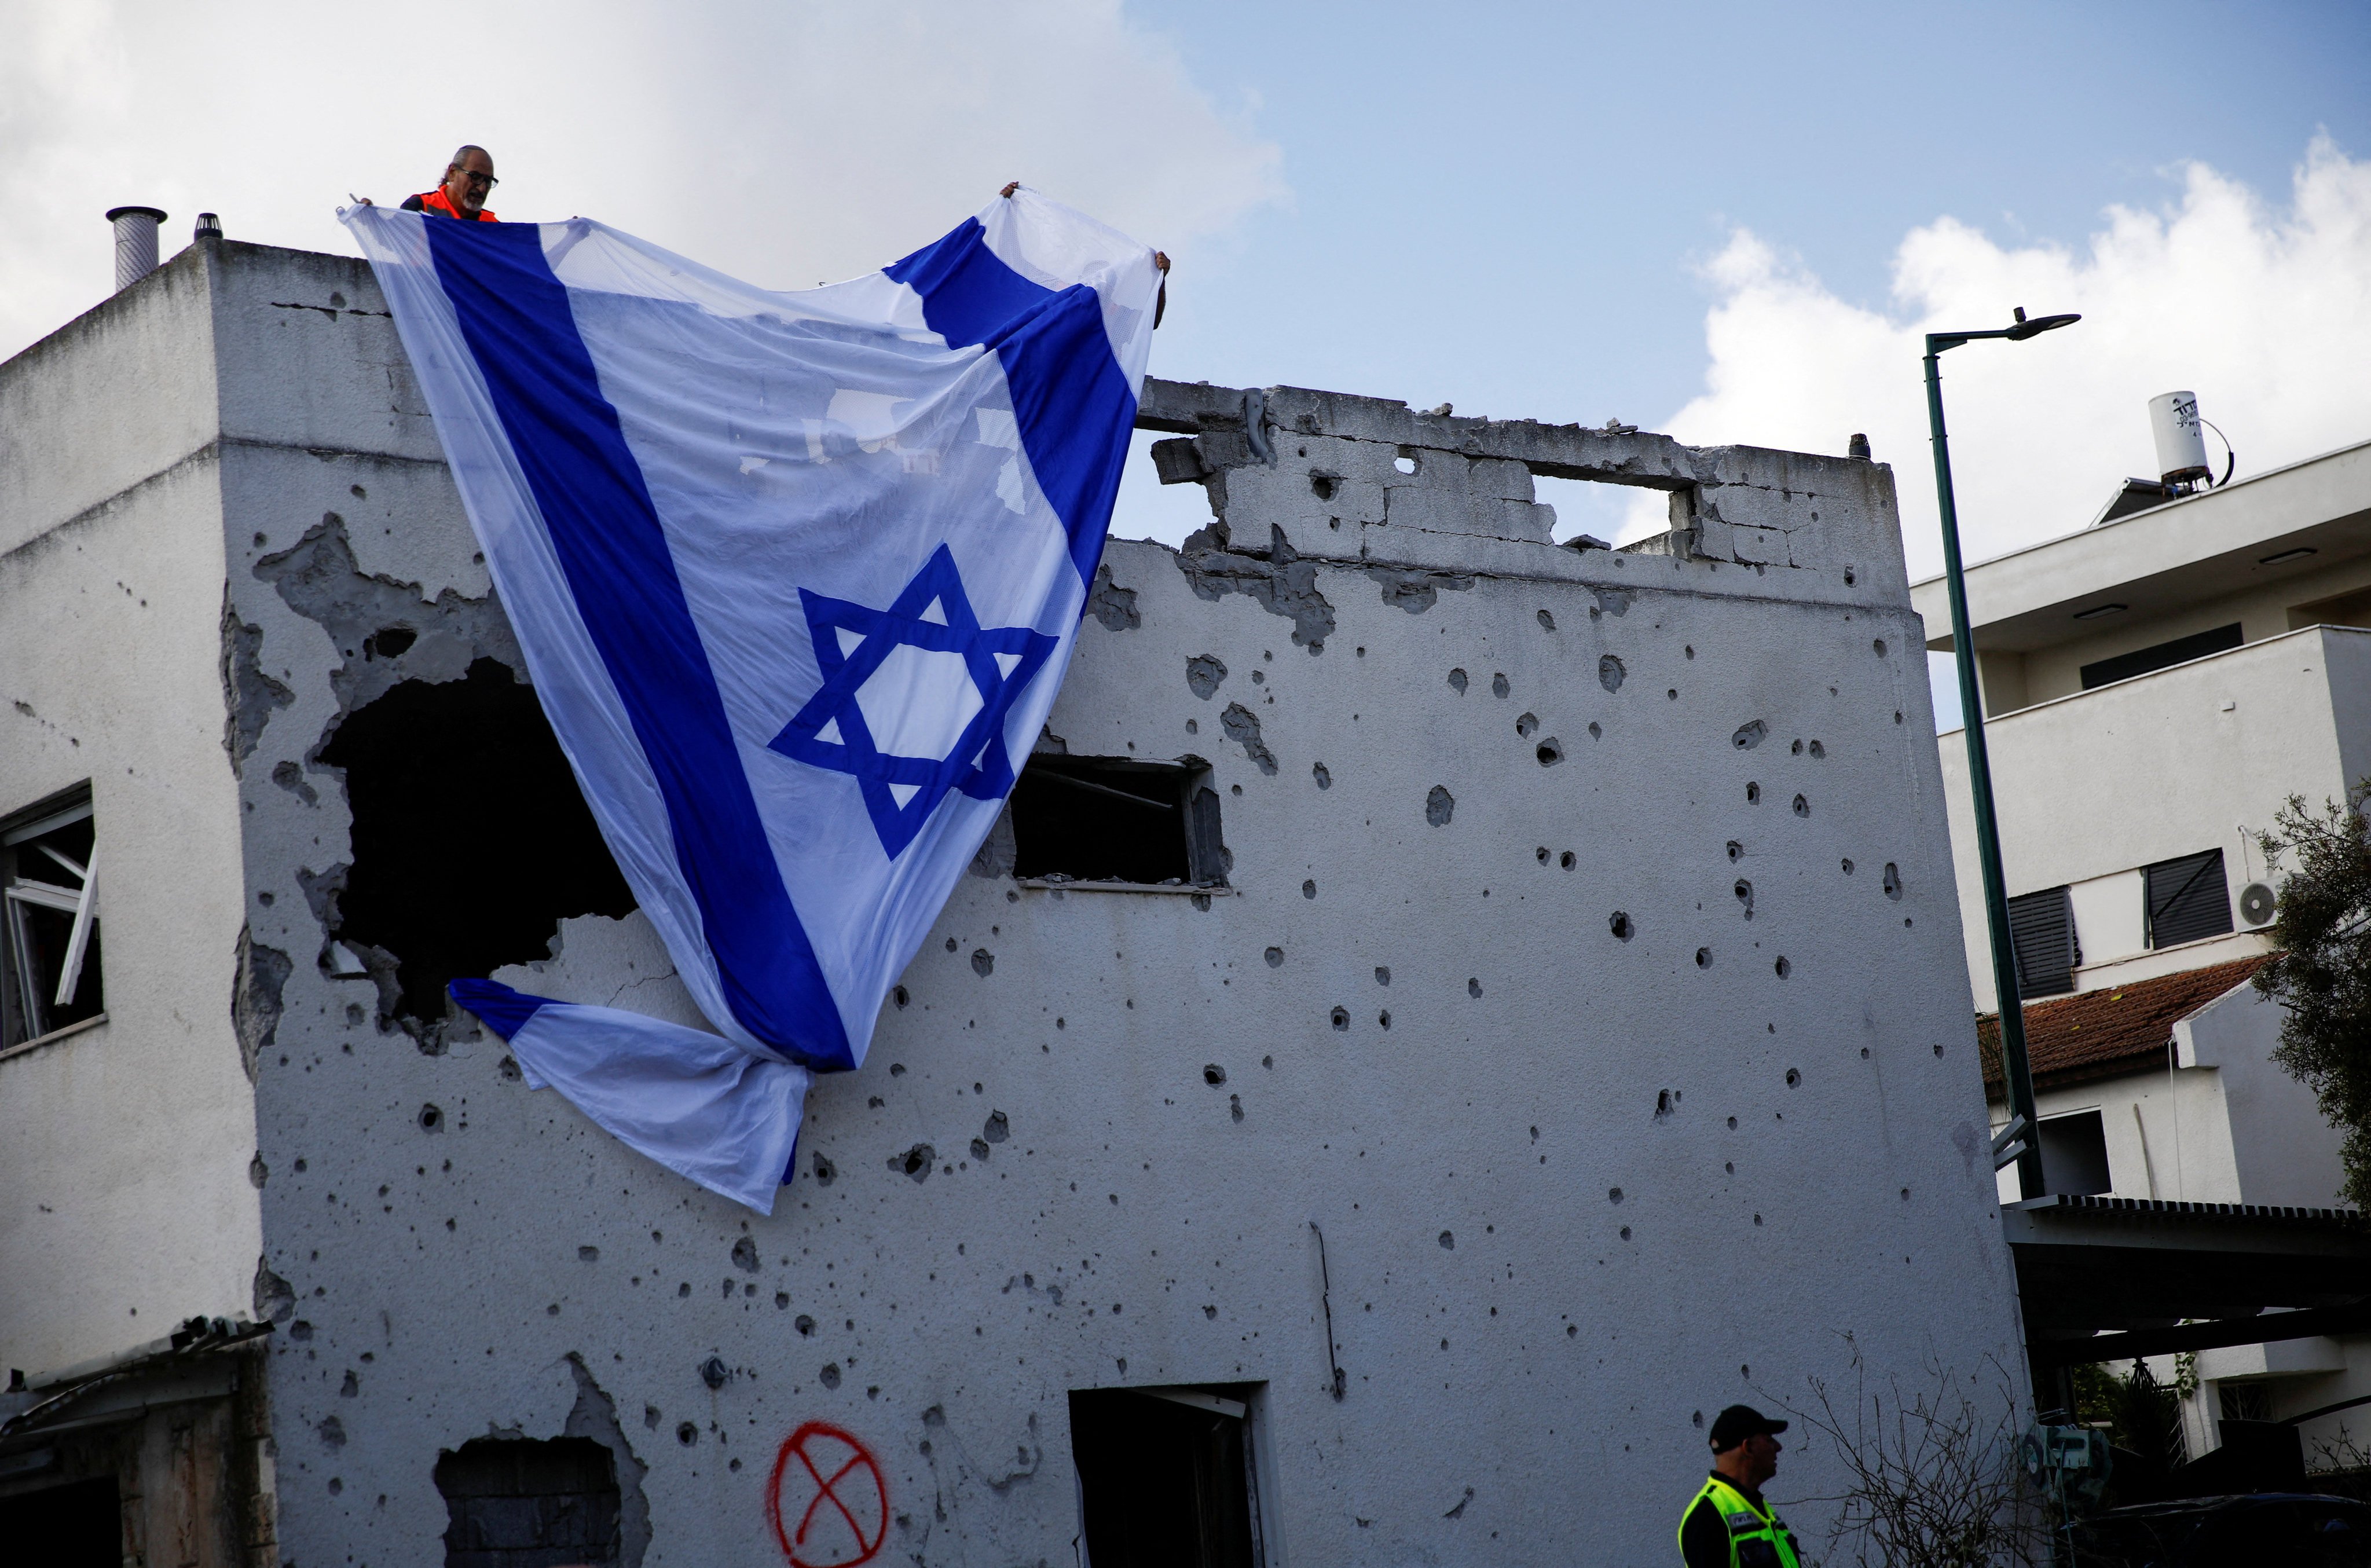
[(1167, 1476), (513, 1502), (49, 926), (471, 841), (1115, 819)]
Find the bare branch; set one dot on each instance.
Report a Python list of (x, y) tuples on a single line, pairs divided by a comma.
[(1932, 1470)]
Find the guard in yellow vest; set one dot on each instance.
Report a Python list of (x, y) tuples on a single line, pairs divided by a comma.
[(1727, 1525)]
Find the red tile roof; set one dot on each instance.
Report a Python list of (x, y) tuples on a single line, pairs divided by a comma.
[(2097, 1034)]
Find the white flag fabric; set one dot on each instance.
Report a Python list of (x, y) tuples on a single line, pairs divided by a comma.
[(796, 576)]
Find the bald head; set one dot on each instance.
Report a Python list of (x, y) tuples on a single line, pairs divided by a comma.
[(469, 179)]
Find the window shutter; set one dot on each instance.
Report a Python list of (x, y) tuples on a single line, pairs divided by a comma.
[(2188, 899), (2041, 935)]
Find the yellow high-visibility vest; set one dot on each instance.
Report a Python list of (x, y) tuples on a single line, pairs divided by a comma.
[(1758, 1538)]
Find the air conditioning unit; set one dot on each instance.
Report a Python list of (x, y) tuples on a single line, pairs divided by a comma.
[(2258, 903)]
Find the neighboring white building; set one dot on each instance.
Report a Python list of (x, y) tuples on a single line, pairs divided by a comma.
[(2156, 686)]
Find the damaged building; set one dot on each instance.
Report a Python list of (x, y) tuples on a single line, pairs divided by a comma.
[(1443, 1014)]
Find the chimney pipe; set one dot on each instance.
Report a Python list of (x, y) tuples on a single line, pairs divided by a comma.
[(136, 243), (209, 227)]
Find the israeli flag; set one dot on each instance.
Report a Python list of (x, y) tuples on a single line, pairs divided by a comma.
[(796, 576)]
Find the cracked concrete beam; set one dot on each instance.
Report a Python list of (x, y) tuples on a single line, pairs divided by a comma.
[(1187, 408), (1562, 451), (1559, 451), (1345, 477)]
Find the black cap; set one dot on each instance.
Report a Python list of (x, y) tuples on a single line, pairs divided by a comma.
[(1736, 1424)]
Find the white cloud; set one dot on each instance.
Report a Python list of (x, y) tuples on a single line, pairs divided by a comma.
[(784, 144), (2264, 312)]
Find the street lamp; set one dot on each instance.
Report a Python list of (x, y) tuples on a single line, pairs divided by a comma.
[(2015, 1067)]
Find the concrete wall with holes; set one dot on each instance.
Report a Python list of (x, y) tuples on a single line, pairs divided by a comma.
[(1589, 977), (125, 1203)]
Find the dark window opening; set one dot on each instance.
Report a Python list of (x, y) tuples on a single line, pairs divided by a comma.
[(509, 1503), (2188, 899), (2343, 610), (2164, 655), (1114, 819), (79, 1525), (49, 919), (2042, 935), (471, 841), (2075, 1153), (1166, 1477)]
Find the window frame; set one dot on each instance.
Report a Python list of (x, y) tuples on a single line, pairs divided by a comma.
[(28, 1001), (2152, 909), (2034, 912)]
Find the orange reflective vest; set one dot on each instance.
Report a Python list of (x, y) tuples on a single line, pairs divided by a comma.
[(438, 202)]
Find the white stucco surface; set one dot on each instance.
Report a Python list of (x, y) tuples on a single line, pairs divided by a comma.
[(125, 1203), (2166, 764)]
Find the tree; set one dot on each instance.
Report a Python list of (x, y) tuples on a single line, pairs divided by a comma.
[(1932, 1479), (2321, 973)]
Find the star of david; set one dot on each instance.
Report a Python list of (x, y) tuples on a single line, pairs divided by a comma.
[(924, 666)]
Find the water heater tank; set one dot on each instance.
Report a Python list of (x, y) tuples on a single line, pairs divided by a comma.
[(2180, 439)]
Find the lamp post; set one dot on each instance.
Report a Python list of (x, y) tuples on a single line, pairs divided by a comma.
[(2015, 1067)]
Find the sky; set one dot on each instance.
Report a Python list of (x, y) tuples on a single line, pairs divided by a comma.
[(1730, 222)]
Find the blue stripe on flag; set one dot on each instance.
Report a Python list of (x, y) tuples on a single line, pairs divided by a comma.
[(499, 1007), (1068, 398), (597, 510), (969, 293)]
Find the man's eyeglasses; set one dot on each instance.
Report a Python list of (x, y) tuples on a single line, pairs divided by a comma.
[(488, 181)]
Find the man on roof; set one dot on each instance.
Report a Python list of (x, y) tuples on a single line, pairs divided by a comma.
[(468, 180)]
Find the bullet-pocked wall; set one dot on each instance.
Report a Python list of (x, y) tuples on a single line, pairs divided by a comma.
[(1577, 1041)]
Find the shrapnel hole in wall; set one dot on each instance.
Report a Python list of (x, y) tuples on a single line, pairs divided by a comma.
[(471, 841), (1115, 819), (514, 1502)]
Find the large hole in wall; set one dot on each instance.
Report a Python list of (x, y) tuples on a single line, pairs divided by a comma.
[(471, 842), (1618, 514), (513, 1502)]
